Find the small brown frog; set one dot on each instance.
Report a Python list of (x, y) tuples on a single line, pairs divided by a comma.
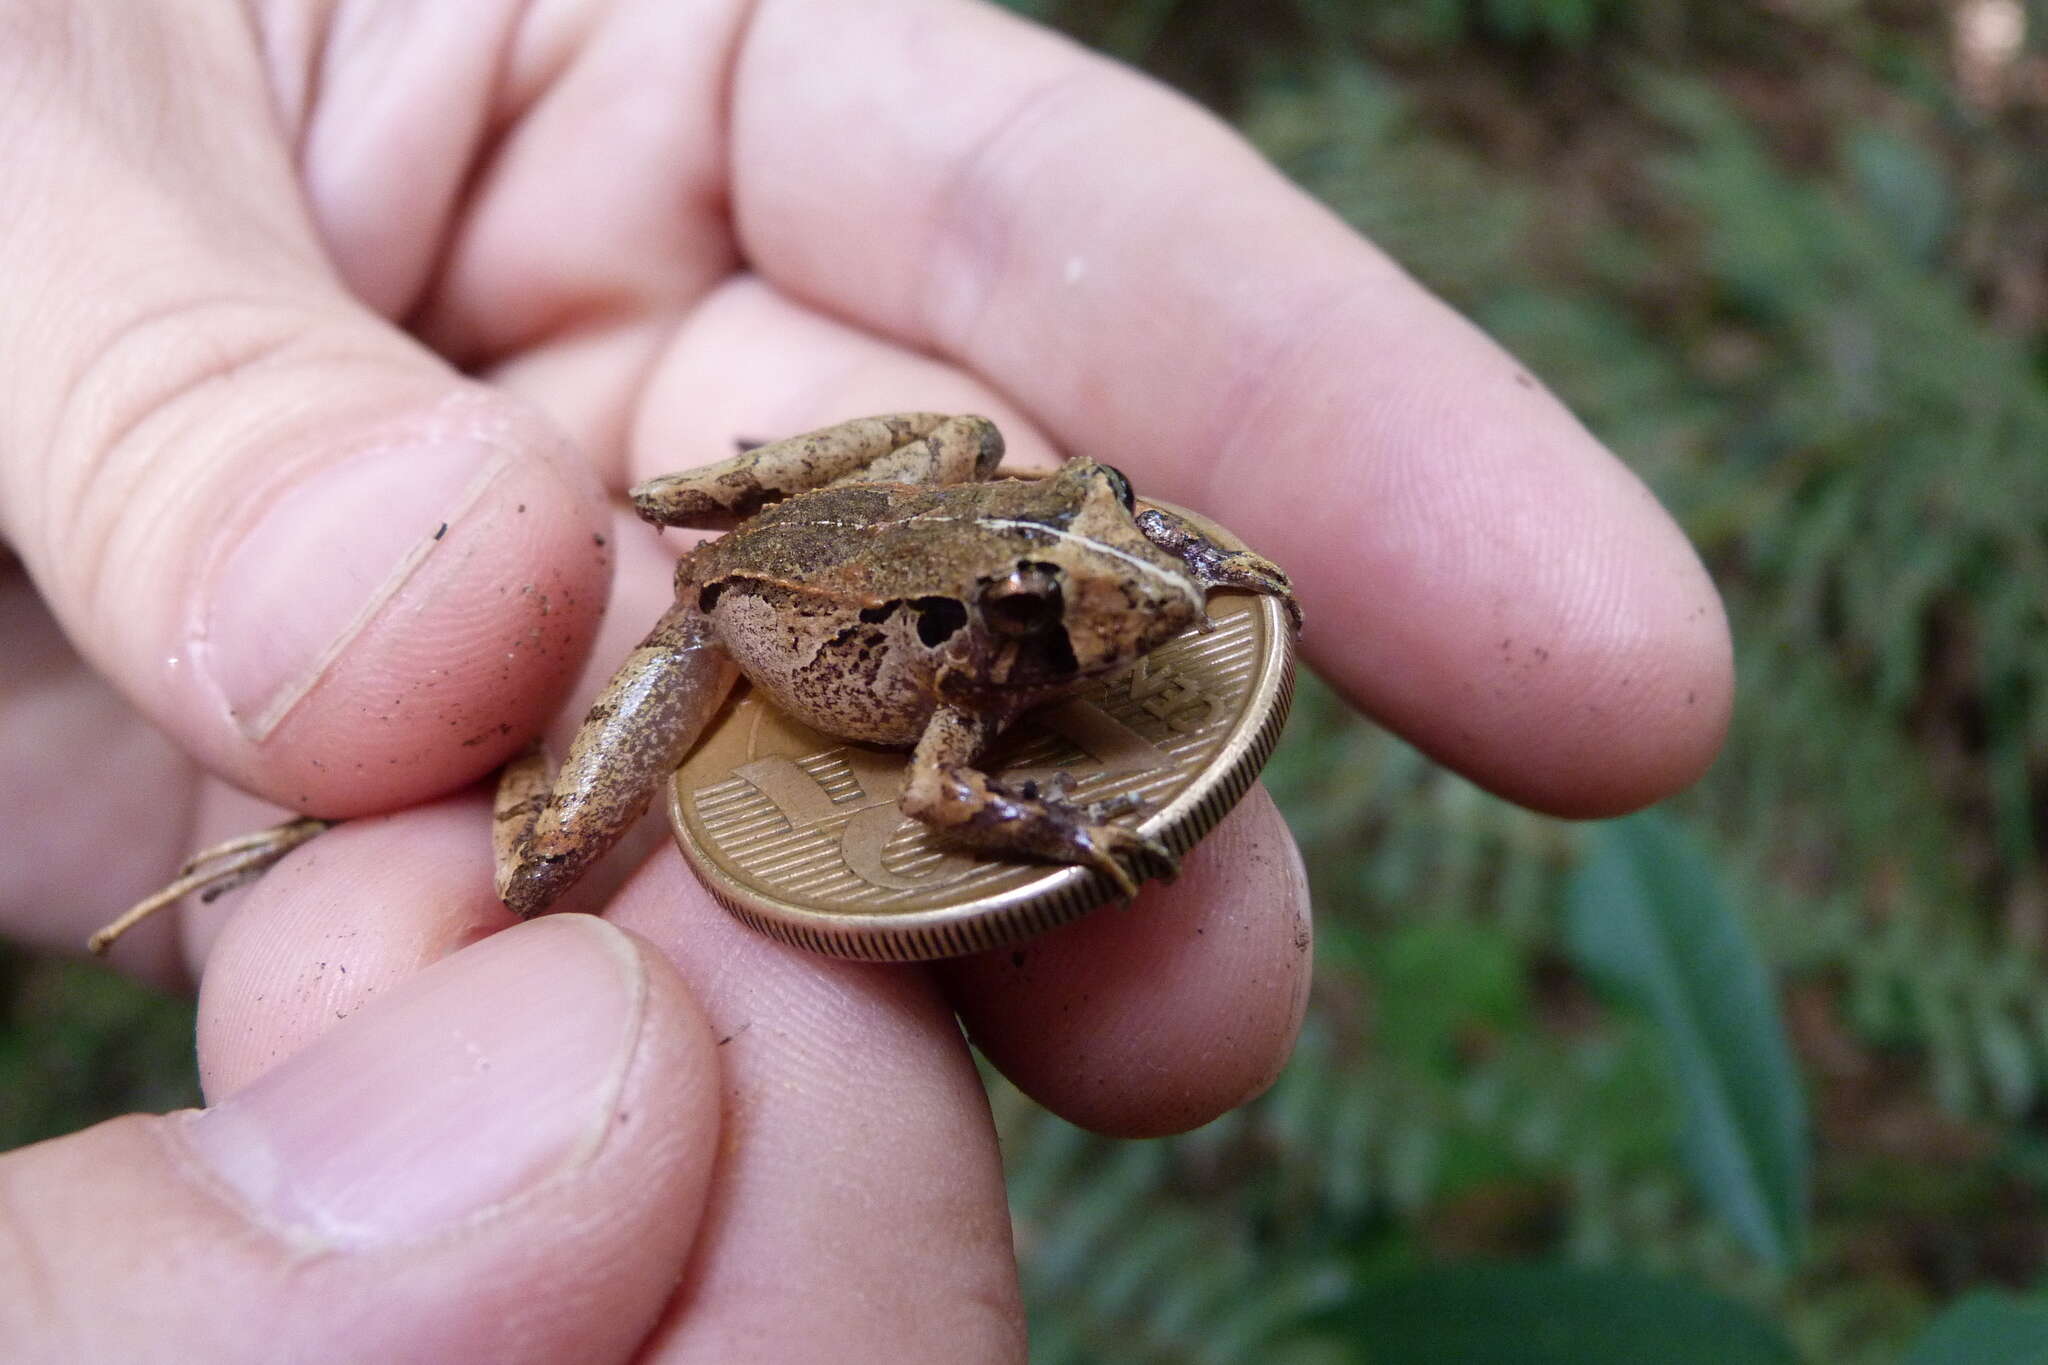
[(882, 585)]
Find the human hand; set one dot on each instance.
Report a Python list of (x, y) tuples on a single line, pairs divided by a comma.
[(664, 226)]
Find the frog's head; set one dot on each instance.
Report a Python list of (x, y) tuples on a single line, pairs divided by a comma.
[(1092, 593)]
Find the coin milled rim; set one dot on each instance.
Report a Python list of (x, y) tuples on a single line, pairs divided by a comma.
[(1061, 893)]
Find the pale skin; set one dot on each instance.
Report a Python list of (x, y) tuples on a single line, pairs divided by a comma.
[(232, 206)]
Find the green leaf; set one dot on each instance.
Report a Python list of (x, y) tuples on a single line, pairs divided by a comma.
[(1647, 918), (1988, 1325), (1505, 1314)]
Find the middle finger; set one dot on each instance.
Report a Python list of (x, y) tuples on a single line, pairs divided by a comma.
[(749, 362)]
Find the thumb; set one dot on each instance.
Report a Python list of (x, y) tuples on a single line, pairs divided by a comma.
[(504, 1159), (333, 569)]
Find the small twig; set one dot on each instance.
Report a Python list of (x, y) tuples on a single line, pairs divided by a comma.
[(236, 862)]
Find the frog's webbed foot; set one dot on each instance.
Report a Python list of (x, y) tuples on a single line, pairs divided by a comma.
[(905, 447), (547, 829), (1213, 565), (214, 872), (967, 806)]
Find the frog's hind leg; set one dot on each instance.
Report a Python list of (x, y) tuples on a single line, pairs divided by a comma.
[(214, 872), (1213, 565), (966, 805), (905, 447), (547, 830)]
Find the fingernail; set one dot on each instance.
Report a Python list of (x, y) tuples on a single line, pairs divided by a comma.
[(327, 556), (486, 1075)]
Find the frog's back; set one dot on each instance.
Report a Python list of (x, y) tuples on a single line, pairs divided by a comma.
[(874, 543)]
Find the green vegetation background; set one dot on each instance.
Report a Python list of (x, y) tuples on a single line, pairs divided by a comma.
[(1790, 258)]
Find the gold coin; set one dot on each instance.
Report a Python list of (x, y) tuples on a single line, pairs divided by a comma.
[(797, 833)]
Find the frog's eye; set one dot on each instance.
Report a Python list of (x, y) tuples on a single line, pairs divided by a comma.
[(1026, 602), (1120, 485)]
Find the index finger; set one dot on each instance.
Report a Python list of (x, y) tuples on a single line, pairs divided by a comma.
[(1478, 571)]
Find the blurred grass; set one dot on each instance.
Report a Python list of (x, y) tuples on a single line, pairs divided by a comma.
[(1790, 258), (79, 1044)]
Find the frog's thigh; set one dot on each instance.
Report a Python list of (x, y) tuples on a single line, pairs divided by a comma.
[(909, 447), (549, 830)]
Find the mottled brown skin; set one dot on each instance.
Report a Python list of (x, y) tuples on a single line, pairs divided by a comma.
[(862, 610), (547, 832), (880, 585)]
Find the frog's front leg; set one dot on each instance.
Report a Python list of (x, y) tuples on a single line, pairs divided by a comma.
[(547, 832), (905, 447), (966, 805), (1214, 566)]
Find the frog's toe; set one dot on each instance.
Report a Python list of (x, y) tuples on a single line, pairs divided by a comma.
[(1130, 803), (1155, 858), (1053, 790), (1096, 854), (1127, 857)]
